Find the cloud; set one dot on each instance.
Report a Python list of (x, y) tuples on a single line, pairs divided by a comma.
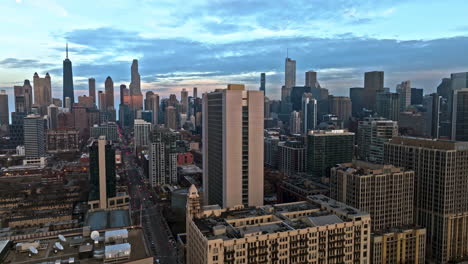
[(23, 63), (175, 63)]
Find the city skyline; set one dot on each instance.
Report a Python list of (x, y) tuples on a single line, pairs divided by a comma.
[(340, 42)]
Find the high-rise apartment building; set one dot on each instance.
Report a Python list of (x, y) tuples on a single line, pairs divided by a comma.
[(232, 147), (102, 171), (107, 129), (404, 91), (42, 92), (142, 131), (195, 92), (163, 157), (371, 136), (388, 106), (325, 149), (292, 155), (373, 84), (399, 245), (4, 111), (384, 191), (68, 90), (309, 113), (23, 97), (460, 115), (319, 230), (34, 136), (441, 203)]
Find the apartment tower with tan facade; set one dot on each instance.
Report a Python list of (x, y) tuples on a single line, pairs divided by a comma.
[(233, 147)]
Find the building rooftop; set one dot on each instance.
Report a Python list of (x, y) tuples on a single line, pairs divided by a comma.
[(98, 220), (319, 210), (80, 249), (429, 143)]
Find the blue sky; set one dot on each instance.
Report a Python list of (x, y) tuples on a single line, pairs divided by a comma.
[(203, 43)]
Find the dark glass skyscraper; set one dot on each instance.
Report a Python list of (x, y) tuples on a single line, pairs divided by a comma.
[(68, 80)]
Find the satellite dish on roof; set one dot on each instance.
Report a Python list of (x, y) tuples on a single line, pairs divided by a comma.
[(58, 246), (33, 250), (62, 238), (95, 235)]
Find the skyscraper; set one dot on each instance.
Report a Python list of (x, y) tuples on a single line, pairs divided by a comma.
[(109, 92), (295, 123), (34, 136), (68, 79), (309, 113), (4, 111), (102, 101), (356, 94), (42, 92), (195, 94), (135, 88), (184, 101), (102, 171), (441, 181), (371, 136), (233, 147), (153, 105), (460, 115), (262, 82), (52, 115), (404, 91), (92, 88), (292, 156), (432, 104), (147, 100), (163, 157), (325, 149), (373, 84), (142, 131), (171, 117), (340, 106), (417, 96), (311, 79), (289, 78), (388, 106)]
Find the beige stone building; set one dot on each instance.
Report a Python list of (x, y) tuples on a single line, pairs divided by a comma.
[(42, 92), (384, 191), (319, 230), (399, 245), (441, 184), (233, 147)]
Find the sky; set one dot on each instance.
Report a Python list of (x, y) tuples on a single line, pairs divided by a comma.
[(210, 43)]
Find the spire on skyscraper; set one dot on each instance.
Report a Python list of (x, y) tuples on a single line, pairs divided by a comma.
[(66, 48)]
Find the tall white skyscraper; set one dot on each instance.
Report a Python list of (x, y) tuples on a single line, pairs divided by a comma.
[(309, 113), (295, 123), (233, 147)]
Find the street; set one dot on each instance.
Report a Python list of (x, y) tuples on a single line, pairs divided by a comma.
[(157, 234)]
